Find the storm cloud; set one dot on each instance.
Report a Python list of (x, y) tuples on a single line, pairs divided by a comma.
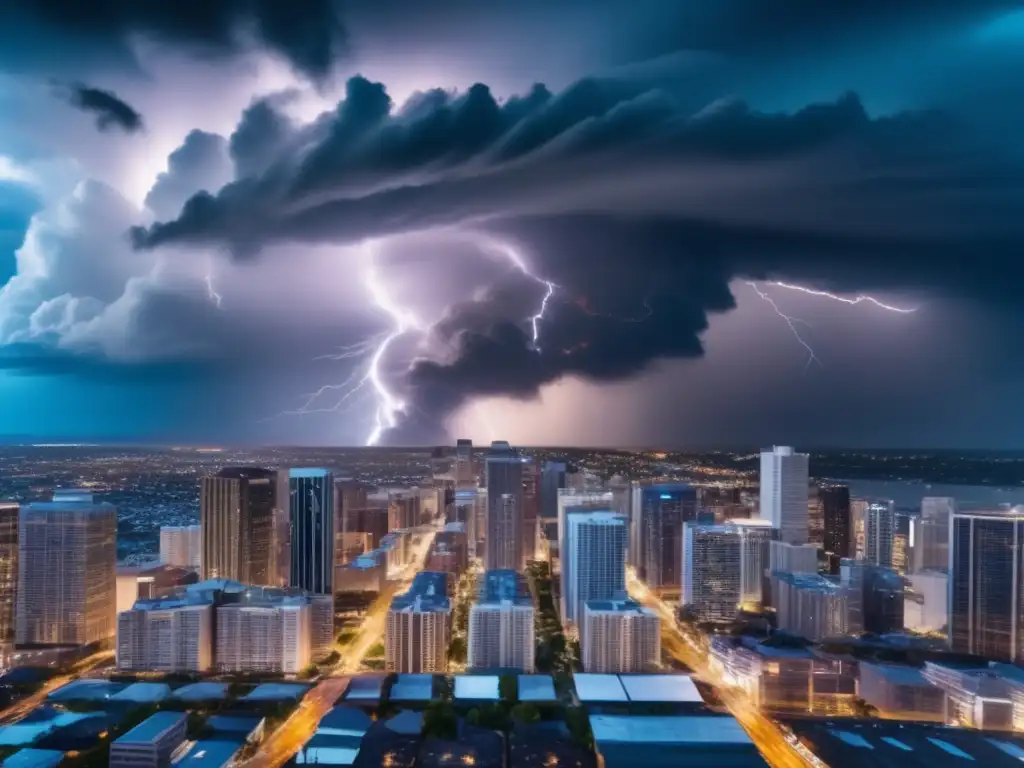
[(110, 110)]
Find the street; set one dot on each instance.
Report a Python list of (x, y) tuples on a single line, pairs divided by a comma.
[(22, 707)]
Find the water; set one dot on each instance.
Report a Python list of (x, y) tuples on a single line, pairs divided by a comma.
[(908, 495)]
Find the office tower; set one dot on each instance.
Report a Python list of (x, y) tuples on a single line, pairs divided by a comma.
[(619, 636), (596, 560), (858, 521), (792, 558), (712, 571), (664, 510), (349, 496), (403, 511), (372, 521), (265, 635), (809, 605), (501, 633), (418, 626), (9, 512), (531, 509), (835, 505), (815, 519), (879, 530), (237, 516), (929, 534), (465, 473), (504, 544), (571, 502), (784, 479), (876, 597), (925, 602), (986, 583), (465, 512), (449, 551), (182, 546), (901, 543), (552, 479), (756, 536), (67, 561), (167, 634), (312, 529)]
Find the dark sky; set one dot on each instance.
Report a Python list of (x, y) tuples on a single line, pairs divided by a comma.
[(700, 223)]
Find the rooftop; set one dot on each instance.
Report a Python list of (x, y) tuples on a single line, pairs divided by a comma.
[(429, 592), (34, 758), (308, 472), (661, 689), (500, 586), (277, 692), (143, 692), (201, 692), (85, 690), (365, 688), (809, 581), (476, 687), (536, 688), (898, 674), (150, 729), (209, 753), (675, 729), (412, 687), (619, 606), (599, 688)]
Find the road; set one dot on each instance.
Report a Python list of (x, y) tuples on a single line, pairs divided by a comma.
[(22, 707), (773, 745)]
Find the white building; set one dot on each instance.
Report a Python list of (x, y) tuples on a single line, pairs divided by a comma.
[(926, 603), (792, 558), (784, 483), (755, 538), (570, 502), (418, 626), (151, 743), (879, 532), (712, 584), (67, 561), (595, 560), (501, 631), (901, 692), (265, 636), (619, 636), (170, 635), (181, 545), (929, 533), (809, 605)]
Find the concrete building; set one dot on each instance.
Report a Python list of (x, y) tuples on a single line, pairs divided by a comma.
[(182, 546), (977, 697), (712, 557), (784, 484), (665, 508), (465, 471), (67, 560), (619, 636), (835, 503), (929, 534), (169, 635), (879, 532), (875, 597), (265, 634), (311, 512), (925, 603), (501, 631), (151, 743), (552, 480), (571, 502), (900, 692), (756, 536), (504, 522), (418, 626), (367, 573), (858, 538), (595, 560), (792, 558), (237, 519), (986, 582), (9, 513), (809, 605)]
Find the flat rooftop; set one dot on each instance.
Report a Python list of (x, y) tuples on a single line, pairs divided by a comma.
[(277, 692), (537, 688), (34, 758), (152, 727), (596, 688), (679, 729), (657, 689), (898, 674), (365, 688), (499, 586), (210, 753), (410, 687), (201, 692), (476, 687), (143, 693)]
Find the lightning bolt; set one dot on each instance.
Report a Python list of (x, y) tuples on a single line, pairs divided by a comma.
[(792, 322), (510, 253), (860, 299), (211, 292)]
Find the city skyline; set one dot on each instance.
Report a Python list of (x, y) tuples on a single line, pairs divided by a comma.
[(365, 222)]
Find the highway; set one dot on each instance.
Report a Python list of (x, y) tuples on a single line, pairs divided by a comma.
[(773, 745), (22, 707)]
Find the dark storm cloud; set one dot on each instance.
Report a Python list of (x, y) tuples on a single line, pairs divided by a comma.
[(201, 162), (641, 212), (309, 34), (110, 110)]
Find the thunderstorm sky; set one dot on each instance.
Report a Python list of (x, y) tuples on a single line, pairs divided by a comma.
[(691, 223)]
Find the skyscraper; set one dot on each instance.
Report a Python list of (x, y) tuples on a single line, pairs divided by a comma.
[(571, 502), (311, 517), (664, 510), (67, 561), (181, 546), (929, 534), (504, 539), (619, 636), (465, 475), (418, 626), (879, 530), (712, 583), (784, 479), (596, 560), (237, 516), (986, 584), (552, 478), (858, 519), (501, 632), (9, 512), (875, 597), (531, 509), (349, 496), (835, 502), (756, 536)]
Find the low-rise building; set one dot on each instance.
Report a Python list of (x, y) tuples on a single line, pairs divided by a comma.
[(151, 743), (620, 636), (901, 692)]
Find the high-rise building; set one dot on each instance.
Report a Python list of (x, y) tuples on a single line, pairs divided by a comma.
[(619, 636), (712, 571), (257, 635), (835, 504), (501, 633), (756, 536), (571, 502), (504, 539), (784, 483), (664, 510), (986, 583), (531, 509), (311, 514), (465, 473), (465, 512), (237, 515), (809, 605), (792, 558), (349, 496), (597, 561), (858, 533), (167, 634), (181, 546), (875, 597), (929, 533), (926, 601), (552, 479), (418, 626), (9, 512), (879, 531), (67, 561)]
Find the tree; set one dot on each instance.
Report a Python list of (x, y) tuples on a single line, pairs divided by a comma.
[(525, 713), (579, 727), (440, 721), (862, 709), (457, 650), (377, 649), (507, 688)]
